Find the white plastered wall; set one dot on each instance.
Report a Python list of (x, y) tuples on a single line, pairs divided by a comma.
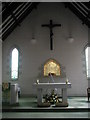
[(33, 56)]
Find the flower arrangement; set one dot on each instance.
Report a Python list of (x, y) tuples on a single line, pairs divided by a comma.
[(52, 98)]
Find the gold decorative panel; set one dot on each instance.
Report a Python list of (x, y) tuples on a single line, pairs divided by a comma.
[(51, 66)]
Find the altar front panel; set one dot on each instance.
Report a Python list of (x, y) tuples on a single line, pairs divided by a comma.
[(41, 86)]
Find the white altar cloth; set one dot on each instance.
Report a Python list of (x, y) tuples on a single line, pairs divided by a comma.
[(41, 86)]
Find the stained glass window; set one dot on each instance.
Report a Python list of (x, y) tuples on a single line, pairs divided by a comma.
[(14, 63), (52, 67), (87, 55)]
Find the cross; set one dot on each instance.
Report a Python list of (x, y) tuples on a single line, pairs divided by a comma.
[(51, 26)]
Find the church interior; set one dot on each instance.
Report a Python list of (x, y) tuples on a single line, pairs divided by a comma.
[(45, 60)]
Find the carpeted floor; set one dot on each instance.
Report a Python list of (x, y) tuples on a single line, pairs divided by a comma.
[(79, 107)]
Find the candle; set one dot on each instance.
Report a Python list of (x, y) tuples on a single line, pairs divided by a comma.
[(66, 81), (37, 81)]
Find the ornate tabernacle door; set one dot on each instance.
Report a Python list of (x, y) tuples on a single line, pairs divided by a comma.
[(52, 67)]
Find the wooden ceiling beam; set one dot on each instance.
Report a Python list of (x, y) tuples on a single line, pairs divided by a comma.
[(20, 19), (9, 8), (79, 12)]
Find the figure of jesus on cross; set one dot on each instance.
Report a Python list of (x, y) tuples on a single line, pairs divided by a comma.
[(51, 26)]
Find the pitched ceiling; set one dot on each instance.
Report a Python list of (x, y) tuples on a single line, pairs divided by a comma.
[(81, 10), (13, 13)]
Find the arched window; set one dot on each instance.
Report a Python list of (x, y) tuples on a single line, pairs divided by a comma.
[(87, 58), (14, 63)]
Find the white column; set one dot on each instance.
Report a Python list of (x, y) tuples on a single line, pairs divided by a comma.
[(39, 95), (64, 95)]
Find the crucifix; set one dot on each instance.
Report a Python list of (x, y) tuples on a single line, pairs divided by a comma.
[(51, 26)]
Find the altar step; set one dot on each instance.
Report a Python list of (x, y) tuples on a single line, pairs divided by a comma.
[(51, 109)]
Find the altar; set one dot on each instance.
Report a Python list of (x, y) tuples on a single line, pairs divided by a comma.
[(41, 86), (52, 70)]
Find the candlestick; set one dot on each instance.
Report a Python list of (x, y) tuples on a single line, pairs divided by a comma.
[(66, 81), (37, 81)]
